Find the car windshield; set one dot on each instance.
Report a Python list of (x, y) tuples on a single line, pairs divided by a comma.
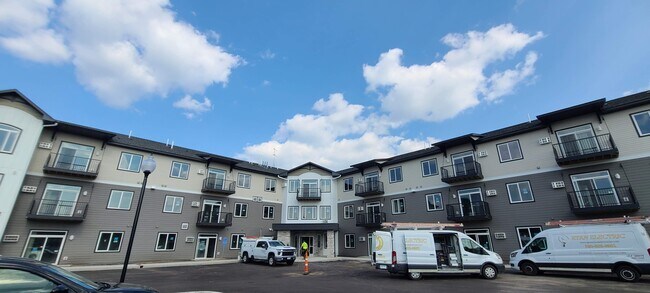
[(79, 280), (275, 243)]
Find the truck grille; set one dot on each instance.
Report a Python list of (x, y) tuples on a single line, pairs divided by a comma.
[(287, 253)]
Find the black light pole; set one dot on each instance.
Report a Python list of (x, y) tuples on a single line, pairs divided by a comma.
[(148, 165)]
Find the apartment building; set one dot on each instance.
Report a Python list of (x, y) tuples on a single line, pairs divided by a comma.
[(68, 191)]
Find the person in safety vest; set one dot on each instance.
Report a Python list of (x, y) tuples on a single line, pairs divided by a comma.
[(304, 248)]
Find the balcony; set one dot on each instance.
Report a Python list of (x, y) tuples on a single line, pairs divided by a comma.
[(587, 149), (469, 212), (602, 201), (214, 220), (461, 172), (308, 193), (369, 188), (218, 185), (71, 165), (371, 220), (57, 210)]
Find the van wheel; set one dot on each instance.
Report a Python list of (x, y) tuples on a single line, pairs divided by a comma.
[(271, 260), (529, 268), (244, 258), (627, 273), (414, 276), (489, 272)]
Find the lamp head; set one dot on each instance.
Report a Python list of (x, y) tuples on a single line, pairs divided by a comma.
[(148, 165)]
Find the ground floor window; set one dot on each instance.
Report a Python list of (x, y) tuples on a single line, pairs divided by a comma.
[(109, 242), (482, 236), (166, 242), (236, 240), (348, 212), (526, 234), (349, 241)]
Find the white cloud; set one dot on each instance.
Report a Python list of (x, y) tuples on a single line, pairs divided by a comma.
[(122, 50), (192, 106), (267, 55), (266, 83), (338, 135), (441, 90)]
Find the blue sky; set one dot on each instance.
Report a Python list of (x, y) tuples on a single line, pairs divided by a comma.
[(333, 82)]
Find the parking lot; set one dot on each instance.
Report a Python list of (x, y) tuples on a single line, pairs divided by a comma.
[(352, 276)]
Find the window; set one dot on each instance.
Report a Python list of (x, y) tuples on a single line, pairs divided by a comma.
[(236, 240), (471, 246), (325, 212), (244, 180), (173, 204), (537, 245), (12, 280), (241, 210), (509, 151), (309, 213), (348, 212), (429, 167), (180, 170), (130, 162), (292, 213), (481, 236), (267, 212), (120, 200), (8, 138), (576, 141), (395, 174), (520, 192), (641, 121), (398, 206), (294, 184), (594, 189), (349, 241), (166, 242), (74, 157), (326, 185), (348, 184), (59, 200), (269, 184), (464, 164), (434, 202), (109, 242), (526, 234)]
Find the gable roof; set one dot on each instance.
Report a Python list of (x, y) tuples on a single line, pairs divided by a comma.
[(15, 95)]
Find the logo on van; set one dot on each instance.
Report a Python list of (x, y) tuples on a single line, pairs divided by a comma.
[(563, 239), (380, 243)]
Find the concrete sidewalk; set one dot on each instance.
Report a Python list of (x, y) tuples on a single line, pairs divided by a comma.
[(199, 263)]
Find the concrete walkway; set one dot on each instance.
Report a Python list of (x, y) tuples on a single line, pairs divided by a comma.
[(198, 263)]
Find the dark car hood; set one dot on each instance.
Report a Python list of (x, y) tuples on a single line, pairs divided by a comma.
[(126, 287)]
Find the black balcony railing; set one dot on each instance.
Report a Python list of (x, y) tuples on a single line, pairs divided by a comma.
[(369, 188), (370, 219), (461, 172), (603, 200), (214, 219), (308, 193), (71, 165), (58, 210), (468, 212), (218, 185), (585, 149)]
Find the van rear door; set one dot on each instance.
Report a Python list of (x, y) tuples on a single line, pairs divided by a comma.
[(420, 252), (382, 249)]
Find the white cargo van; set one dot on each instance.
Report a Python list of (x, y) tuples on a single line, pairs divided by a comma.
[(417, 252), (623, 249)]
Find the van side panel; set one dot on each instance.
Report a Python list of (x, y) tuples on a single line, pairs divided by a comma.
[(421, 252)]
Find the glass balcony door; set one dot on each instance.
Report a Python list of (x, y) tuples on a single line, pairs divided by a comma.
[(216, 178), (309, 188), (59, 200), (470, 200), (463, 163), (211, 211), (577, 141), (74, 157), (372, 180), (595, 189)]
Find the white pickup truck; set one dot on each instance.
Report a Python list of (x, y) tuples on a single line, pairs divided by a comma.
[(264, 249)]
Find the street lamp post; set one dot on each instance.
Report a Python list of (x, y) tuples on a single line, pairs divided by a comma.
[(148, 166)]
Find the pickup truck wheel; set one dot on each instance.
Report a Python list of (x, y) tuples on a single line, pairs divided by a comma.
[(271, 260), (627, 273), (414, 276), (489, 272), (529, 268), (244, 258), (290, 262)]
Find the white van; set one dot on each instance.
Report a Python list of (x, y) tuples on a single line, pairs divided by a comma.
[(623, 249), (417, 252)]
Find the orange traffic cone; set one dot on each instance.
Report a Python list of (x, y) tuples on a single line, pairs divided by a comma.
[(306, 272)]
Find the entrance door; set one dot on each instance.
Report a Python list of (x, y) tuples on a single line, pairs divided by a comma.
[(45, 246), (310, 243), (74, 157), (577, 141), (211, 211), (216, 178), (206, 246), (595, 189), (470, 201), (463, 163), (373, 213), (482, 236)]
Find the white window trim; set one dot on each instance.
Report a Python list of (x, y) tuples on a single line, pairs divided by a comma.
[(109, 243), (166, 233), (270, 185), (3, 144), (329, 213), (636, 124), (239, 236), (271, 210), (180, 170), (433, 195), (242, 214), (392, 206), (297, 213), (130, 161), (329, 186), (351, 208), (531, 236), (390, 175), (351, 184), (435, 170), (354, 241), (303, 213), (167, 197), (244, 175), (530, 187), (507, 146), (108, 205)]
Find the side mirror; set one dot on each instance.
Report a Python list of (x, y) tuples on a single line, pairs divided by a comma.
[(60, 289)]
